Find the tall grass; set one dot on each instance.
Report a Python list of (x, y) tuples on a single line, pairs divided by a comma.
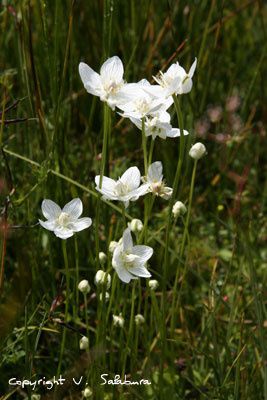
[(204, 335)]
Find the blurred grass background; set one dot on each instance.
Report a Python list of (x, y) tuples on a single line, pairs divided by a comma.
[(219, 349)]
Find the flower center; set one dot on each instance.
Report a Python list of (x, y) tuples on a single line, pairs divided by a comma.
[(64, 219), (142, 106), (112, 87), (157, 187), (128, 259), (121, 188)]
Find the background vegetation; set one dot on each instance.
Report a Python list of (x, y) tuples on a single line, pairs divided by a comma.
[(51, 143)]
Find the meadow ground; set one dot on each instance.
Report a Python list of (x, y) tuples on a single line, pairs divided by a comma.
[(203, 332)]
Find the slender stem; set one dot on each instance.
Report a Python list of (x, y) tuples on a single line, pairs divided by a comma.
[(151, 151), (123, 216), (63, 342), (185, 234), (76, 277), (86, 318), (105, 142), (104, 160), (175, 185), (149, 201), (168, 228), (144, 144), (130, 333)]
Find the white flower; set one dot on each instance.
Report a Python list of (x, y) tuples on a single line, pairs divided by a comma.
[(139, 319), (64, 223), (126, 188), (102, 257), (175, 80), (87, 392), (84, 286), (178, 209), (136, 225), (84, 343), (153, 284), (102, 278), (109, 84), (197, 151), (158, 124), (112, 246), (155, 181), (118, 320), (142, 102), (106, 296), (129, 261)]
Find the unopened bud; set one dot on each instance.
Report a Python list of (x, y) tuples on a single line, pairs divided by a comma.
[(139, 319), (197, 151), (135, 225), (102, 278), (84, 343), (178, 209), (102, 257), (84, 286), (118, 320), (87, 393), (153, 284)]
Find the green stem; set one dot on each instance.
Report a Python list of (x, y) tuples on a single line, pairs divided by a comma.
[(144, 145), (130, 333), (182, 249), (152, 143), (104, 159), (63, 342), (167, 239), (175, 186), (86, 319)]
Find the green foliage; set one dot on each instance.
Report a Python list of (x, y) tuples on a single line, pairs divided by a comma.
[(211, 342)]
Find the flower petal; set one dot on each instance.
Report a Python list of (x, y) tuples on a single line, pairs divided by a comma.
[(131, 177), (140, 271), (50, 209), (187, 86), (124, 275), (174, 132), (154, 173), (80, 224), (90, 79), (63, 233), (112, 70), (127, 241), (49, 225), (107, 183), (74, 208), (192, 68), (144, 252)]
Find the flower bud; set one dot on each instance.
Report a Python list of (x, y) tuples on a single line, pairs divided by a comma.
[(102, 278), (102, 257), (106, 296), (84, 343), (118, 320), (135, 225), (178, 209), (84, 286), (87, 393), (153, 284), (139, 319), (112, 246), (197, 151)]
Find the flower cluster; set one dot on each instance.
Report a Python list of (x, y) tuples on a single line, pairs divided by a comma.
[(141, 100), (146, 105)]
